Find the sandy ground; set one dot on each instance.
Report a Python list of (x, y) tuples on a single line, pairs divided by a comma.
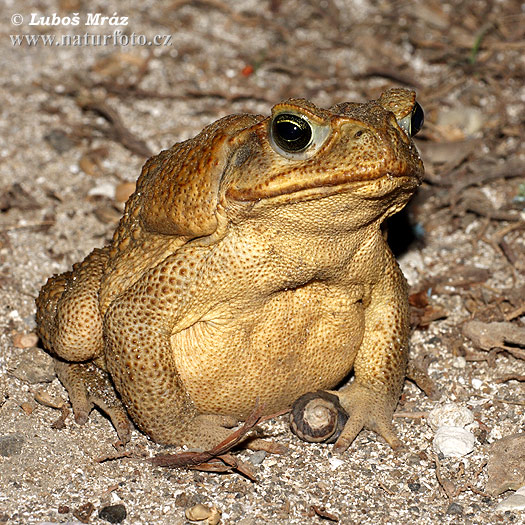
[(61, 162)]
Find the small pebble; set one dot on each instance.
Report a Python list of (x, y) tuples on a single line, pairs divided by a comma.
[(198, 512), (35, 366), (43, 397), (455, 508), (11, 445), (257, 457), (414, 487), (22, 340), (477, 383), (59, 140), (89, 166), (113, 513), (514, 502), (413, 460)]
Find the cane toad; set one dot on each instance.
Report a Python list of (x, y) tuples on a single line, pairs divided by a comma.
[(249, 267)]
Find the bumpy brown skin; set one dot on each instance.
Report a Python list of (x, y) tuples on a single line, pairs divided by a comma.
[(238, 274)]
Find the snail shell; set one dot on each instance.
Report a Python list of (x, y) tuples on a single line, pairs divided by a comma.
[(318, 417)]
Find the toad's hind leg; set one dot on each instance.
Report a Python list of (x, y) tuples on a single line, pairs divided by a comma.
[(70, 326), (89, 386), (68, 315), (140, 360), (137, 328)]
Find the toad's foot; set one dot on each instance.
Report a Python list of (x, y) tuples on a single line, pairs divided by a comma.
[(366, 408), (89, 386), (208, 431)]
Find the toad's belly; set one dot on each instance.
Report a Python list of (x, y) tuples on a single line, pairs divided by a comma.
[(295, 343)]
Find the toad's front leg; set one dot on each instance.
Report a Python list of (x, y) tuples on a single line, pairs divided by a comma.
[(379, 368)]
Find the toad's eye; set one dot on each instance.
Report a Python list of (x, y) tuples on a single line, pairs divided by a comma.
[(413, 122), (291, 132), (417, 119)]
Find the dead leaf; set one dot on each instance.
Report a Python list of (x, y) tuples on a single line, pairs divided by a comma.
[(419, 299), (116, 130), (89, 165), (422, 313), (124, 190), (418, 374), (324, 514), (83, 513), (208, 459), (16, 197), (496, 335), (450, 153)]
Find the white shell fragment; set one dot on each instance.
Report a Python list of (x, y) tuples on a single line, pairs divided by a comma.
[(514, 502), (198, 512), (453, 441), (104, 189), (215, 516), (201, 512), (335, 463), (451, 415)]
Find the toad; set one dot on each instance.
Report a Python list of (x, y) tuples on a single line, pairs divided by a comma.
[(249, 267)]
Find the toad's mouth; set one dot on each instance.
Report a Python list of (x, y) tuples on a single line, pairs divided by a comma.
[(371, 185)]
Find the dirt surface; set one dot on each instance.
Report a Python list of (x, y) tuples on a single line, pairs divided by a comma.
[(77, 122)]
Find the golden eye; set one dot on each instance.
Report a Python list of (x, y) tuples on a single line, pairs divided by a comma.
[(290, 132)]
